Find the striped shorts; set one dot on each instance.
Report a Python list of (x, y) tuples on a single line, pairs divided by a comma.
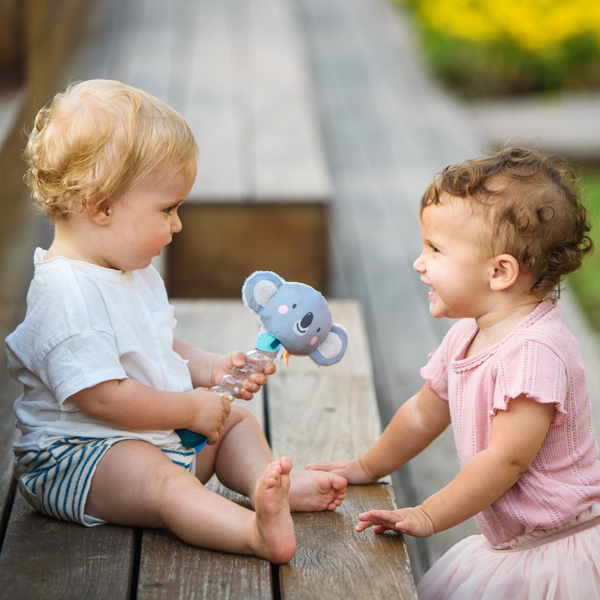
[(56, 480)]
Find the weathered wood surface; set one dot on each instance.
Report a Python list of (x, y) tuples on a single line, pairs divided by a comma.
[(314, 413), (171, 569), (221, 245), (43, 558), (236, 71), (330, 413), (8, 435), (387, 129)]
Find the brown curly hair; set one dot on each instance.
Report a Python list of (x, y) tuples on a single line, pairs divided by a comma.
[(531, 205), (99, 139)]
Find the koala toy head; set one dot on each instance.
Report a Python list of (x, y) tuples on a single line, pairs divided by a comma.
[(297, 316)]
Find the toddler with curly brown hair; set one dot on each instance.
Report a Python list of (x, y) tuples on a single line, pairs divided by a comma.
[(499, 234)]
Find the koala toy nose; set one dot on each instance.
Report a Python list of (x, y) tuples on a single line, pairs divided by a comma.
[(307, 319)]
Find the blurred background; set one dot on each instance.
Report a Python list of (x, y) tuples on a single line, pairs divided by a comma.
[(530, 72), (320, 123)]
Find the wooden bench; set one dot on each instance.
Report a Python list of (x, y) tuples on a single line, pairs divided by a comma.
[(310, 413), (260, 196)]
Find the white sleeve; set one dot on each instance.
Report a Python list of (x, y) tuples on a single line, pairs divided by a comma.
[(81, 361)]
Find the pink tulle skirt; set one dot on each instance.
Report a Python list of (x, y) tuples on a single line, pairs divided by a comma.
[(557, 564)]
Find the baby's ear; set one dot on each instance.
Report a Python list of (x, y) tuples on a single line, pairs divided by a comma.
[(259, 288), (333, 347), (99, 213), (505, 273)]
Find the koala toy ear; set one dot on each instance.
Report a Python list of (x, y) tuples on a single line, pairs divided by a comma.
[(333, 348), (259, 288)]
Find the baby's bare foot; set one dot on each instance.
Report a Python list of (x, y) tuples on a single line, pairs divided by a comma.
[(313, 491), (274, 525)]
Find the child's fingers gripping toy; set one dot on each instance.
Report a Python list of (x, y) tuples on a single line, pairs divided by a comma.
[(295, 319)]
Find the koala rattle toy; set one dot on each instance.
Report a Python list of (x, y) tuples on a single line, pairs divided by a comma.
[(295, 320)]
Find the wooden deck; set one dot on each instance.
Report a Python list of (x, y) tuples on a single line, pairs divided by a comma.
[(387, 130), (384, 128), (379, 130), (309, 411)]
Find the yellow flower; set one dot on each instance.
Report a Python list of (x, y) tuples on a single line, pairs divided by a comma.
[(534, 25)]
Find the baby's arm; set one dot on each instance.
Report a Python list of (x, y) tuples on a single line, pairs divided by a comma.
[(207, 368), (131, 405), (515, 439), (415, 425)]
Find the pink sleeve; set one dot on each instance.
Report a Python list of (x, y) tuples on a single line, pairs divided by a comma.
[(533, 369), (435, 371)]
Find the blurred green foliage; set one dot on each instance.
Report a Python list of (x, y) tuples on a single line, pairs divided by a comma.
[(586, 281), (495, 47)]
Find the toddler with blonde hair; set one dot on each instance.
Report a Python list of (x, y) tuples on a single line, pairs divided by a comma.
[(105, 382), (499, 234)]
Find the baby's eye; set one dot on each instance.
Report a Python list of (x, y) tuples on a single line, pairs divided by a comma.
[(170, 209)]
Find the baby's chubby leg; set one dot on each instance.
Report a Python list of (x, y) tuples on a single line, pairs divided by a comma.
[(241, 455), (136, 484)]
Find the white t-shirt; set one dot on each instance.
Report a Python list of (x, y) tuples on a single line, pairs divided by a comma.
[(86, 324)]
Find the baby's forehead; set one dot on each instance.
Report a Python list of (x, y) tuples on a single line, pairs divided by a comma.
[(453, 207), (454, 218)]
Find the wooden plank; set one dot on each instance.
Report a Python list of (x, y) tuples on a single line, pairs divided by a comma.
[(48, 559), (250, 107), (184, 38), (11, 54), (285, 145), (382, 138), (8, 435), (221, 245), (168, 566), (151, 60), (215, 107), (91, 58), (126, 34), (332, 560)]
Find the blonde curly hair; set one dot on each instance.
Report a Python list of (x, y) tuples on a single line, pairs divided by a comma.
[(100, 139), (530, 203)]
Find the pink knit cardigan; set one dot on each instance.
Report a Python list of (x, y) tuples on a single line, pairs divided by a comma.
[(542, 359)]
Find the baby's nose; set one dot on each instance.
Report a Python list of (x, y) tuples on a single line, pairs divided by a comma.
[(176, 224), (419, 264)]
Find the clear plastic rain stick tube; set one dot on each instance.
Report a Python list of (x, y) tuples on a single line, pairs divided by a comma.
[(256, 362)]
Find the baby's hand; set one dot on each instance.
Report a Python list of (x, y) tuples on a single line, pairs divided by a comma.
[(352, 470), (211, 412), (412, 521), (225, 364)]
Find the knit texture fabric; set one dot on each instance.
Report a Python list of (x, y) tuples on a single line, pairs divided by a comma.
[(541, 359)]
